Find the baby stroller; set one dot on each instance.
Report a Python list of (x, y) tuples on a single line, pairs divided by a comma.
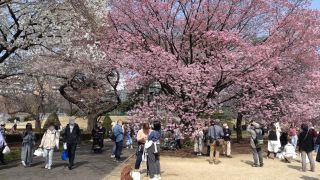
[(97, 143), (169, 144)]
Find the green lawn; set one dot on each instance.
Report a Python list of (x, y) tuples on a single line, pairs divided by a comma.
[(15, 154)]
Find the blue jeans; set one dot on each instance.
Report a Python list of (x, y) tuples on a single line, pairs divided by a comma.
[(294, 141), (114, 149), (119, 146)]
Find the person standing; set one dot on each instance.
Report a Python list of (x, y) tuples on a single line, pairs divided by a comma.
[(255, 131), (273, 145), (215, 133), (142, 138), (306, 146), (177, 136), (118, 135), (28, 141), (50, 140), (3, 143), (111, 134), (226, 148), (198, 141), (72, 139), (153, 151), (293, 135)]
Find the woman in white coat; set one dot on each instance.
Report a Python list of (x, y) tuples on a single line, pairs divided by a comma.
[(50, 140)]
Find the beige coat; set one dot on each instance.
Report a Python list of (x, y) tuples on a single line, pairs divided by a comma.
[(50, 139)]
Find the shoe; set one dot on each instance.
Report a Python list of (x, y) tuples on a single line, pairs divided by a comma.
[(261, 165), (70, 167), (49, 167), (255, 165), (46, 166), (229, 156), (3, 163), (113, 156), (23, 163)]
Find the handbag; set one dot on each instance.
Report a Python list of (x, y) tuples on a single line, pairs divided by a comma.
[(64, 155), (6, 150), (38, 152)]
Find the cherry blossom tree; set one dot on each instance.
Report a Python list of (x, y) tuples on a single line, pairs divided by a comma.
[(205, 54)]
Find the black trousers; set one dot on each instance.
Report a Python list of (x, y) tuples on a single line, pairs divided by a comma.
[(1, 155), (71, 148), (139, 154), (119, 146), (178, 141)]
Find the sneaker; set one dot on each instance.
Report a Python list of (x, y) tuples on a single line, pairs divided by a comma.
[(261, 165), (49, 167), (255, 165), (46, 166), (113, 156), (23, 163)]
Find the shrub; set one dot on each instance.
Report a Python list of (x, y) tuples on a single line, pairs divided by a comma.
[(52, 119), (187, 143), (28, 118), (107, 123)]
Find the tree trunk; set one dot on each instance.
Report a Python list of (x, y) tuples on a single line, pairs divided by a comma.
[(92, 121), (239, 127), (37, 125)]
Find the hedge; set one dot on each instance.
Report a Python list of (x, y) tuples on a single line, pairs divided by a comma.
[(15, 138)]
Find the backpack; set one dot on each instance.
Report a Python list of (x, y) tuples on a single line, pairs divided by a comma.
[(258, 141)]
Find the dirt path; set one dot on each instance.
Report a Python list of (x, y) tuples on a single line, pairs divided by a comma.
[(236, 168)]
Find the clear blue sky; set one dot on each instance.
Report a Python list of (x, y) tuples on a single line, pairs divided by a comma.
[(316, 4)]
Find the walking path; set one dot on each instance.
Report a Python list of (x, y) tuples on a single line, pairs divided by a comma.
[(89, 166)]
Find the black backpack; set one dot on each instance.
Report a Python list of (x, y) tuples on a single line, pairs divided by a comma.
[(258, 141)]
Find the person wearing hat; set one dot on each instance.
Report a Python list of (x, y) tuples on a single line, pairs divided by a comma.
[(255, 131), (71, 138), (226, 147), (3, 143)]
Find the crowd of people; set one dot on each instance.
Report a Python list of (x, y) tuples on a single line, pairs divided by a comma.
[(285, 143), (50, 142)]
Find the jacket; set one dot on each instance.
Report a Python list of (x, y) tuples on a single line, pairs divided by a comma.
[(72, 137), (306, 141), (253, 134), (118, 133), (28, 137), (227, 134), (215, 132), (50, 139)]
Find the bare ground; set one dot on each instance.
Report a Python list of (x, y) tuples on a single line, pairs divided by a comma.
[(181, 165)]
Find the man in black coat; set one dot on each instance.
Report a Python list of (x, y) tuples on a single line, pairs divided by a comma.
[(71, 138)]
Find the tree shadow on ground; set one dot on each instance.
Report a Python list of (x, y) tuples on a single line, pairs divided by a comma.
[(309, 178), (37, 163), (298, 168), (247, 162), (2, 167), (80, 163), (59, 165)]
